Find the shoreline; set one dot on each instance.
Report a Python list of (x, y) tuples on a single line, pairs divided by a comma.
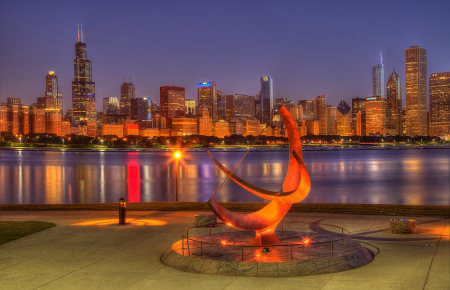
[(337, 208), (228, 149)]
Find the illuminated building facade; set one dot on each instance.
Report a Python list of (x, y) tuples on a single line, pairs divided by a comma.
[(149, 133), (207, 95), (321, 113), (46, 103), (53, 121), (24, 120), (394, 104), (65, 128), (184, 126), (172, 101), (439, 104), (91, 127), (13, 119), (378, 79), (221, 105), (251, 127), (312, 127), (375, 115), (344, 119), (112, 129), (37, 120), (83, 88), (416, 91), (51, 90), (266, 99), (204, 121), (301, 127), (91, 110), (359, 106), (127, 93), (331, 120), (141, 109), (3, 118), (130, 128), (240, 107), (308, 109), (111, 104), (236, 127), (189, 106), (298, 112), (220, 129)]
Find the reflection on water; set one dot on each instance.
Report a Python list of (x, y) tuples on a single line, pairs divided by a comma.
[(371, 177)]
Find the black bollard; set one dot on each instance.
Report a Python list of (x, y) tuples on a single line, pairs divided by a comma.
[(122, 211)]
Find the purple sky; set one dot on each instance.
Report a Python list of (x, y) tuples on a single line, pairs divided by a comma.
[(308, 47)]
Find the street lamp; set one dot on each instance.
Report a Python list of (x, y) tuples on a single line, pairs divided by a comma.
[(177, 156)]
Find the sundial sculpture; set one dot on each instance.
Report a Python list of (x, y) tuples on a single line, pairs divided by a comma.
[(295, 188)]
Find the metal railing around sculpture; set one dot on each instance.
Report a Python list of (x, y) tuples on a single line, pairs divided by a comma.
[(242, 246)]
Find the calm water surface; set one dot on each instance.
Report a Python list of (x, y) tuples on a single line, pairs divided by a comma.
[(415, 177)]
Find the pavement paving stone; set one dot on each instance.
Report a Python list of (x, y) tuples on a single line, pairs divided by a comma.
[(169, 278), (128, 257)]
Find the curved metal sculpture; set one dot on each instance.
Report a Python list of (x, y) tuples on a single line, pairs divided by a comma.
[(295, 188)]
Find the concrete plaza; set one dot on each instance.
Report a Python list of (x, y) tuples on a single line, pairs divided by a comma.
[(100, 254)]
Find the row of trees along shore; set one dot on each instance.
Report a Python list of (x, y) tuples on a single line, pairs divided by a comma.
[(197, 141)]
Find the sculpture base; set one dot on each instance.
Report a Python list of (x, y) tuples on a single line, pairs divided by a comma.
[(234, 259)]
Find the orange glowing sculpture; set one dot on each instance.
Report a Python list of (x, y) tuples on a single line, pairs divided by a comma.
[(295, 188)]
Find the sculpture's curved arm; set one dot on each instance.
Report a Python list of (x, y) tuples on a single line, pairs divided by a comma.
[(261, 192)]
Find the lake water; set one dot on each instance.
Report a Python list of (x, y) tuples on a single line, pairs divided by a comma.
[(411, 177)]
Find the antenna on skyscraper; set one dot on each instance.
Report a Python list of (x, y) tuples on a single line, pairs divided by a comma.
[(381, 57), (82, 38), (78, 38)]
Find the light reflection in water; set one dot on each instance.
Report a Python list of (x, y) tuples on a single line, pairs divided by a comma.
[(384, 177)]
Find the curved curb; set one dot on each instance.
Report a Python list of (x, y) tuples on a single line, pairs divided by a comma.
[(337, 263)]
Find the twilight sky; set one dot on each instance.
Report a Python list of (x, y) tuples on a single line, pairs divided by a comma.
[(308, 47)]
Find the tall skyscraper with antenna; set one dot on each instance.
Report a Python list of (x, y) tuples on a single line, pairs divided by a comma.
[(83, 88), (378, 78)]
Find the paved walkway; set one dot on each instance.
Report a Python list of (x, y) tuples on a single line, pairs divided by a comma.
[(110, 256)]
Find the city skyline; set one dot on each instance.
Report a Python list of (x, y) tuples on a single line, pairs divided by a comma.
[(318, 66)]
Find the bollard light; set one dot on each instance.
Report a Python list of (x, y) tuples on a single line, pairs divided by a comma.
[(122, 211)]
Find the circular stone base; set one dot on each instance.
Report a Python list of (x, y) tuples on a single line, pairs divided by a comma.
[(232, 259)]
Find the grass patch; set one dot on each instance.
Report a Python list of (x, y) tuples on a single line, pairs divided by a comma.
[(10, 231), (365, 209)]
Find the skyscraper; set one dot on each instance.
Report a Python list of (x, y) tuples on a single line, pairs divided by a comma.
[(51, 90), (172, 101), (240, 107), (308, 109), (321, 113), (344, 119), (266, 99), (111, 103), (207, 95), (375, 115), (378, 78), (83, 88), (141, 109), (221, 105), (331, 120), (440, 104), (127, 93), (394, 104), (359, 106), (416, 91)]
